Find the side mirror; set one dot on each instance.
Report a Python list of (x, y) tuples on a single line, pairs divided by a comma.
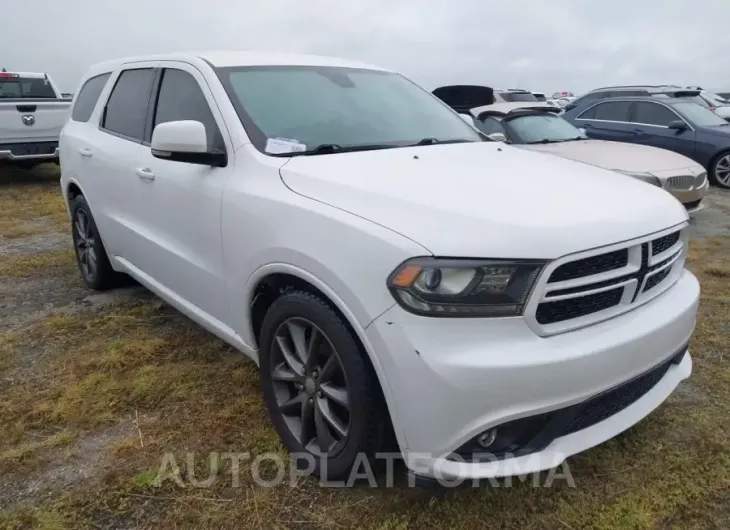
[(677, 125), (185, 141), (498, 137)]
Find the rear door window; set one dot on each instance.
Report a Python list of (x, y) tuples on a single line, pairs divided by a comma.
[(88, 96), (125, 113), (612, 111)]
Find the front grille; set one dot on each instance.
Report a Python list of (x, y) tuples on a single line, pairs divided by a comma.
[(658, 278), (663, 243), (30, 148), (559, 310), (682, 182), (590, 266), (605, 284)]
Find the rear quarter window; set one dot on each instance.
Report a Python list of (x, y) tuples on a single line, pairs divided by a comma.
[(88, 97)]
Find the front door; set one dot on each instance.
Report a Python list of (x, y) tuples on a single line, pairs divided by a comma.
[(651, 121), (180, 203)]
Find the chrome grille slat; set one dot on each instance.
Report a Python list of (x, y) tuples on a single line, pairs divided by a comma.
[(681, 182), (686, 182), (591, 287)]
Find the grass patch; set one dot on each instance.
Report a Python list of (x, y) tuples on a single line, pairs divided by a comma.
[(27, 451), (31, 202), (59, 262), (184, 397)]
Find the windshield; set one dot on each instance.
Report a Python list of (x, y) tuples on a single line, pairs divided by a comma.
[(512, 97), (26, 87), (312, 106), (724, 95), (541, 128), (698, 116), (696, 99), (715, 99)]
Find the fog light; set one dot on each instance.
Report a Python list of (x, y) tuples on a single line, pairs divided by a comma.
[(487, 438)]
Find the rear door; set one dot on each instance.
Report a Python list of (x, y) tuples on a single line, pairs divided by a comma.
[(111, 155), (179, 203), (78, 134), (651, 127), (607, 120)]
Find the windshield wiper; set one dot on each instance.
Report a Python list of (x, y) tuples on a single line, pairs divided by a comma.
[(328, 149), (434, 141), (546, 141)]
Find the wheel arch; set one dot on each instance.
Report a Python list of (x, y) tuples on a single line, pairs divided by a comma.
[(267, 283), (72, 189)]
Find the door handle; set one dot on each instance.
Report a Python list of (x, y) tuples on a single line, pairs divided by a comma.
[(639, 131), (86, 152), (145, 173)]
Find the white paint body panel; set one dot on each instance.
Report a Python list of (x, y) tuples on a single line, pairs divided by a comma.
[(202, 238)]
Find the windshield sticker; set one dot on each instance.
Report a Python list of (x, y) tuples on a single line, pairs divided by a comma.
[(277, 146)]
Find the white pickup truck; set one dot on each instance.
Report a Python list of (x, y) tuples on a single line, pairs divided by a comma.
[(32, 113)]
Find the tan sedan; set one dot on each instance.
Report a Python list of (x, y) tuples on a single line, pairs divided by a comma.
[(536, 126)]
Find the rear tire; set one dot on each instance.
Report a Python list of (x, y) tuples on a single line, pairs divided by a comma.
[(91, 255), (323, 397), (719, 171)]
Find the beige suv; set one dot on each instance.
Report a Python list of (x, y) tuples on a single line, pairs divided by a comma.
[(538, 127)]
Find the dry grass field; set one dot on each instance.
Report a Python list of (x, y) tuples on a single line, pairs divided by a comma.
[(96, 388)]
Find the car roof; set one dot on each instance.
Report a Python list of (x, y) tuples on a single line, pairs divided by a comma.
[(506, 108), (649, 99), (227, 58), (648, 88)]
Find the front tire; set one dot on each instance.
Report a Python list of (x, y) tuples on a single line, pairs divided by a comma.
[(720, 170), (322, 395), (91, 255)]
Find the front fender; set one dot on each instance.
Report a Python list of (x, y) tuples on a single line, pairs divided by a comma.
[(346, 302)]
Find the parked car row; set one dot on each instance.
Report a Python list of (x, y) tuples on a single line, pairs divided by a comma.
[(397, 274), (668, 117), (674, 123)]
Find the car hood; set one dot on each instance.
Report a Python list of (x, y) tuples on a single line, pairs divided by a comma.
[(717, 130), (485, 199), (617, 155)]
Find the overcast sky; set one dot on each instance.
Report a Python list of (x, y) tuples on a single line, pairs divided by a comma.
[(540, 45)]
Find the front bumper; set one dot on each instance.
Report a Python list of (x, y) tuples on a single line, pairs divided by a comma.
[(452, 379)]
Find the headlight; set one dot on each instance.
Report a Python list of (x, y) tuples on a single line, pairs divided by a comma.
[(464, 288), (646, 177)]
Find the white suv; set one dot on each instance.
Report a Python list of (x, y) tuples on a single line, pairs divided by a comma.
[(391, 270)]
